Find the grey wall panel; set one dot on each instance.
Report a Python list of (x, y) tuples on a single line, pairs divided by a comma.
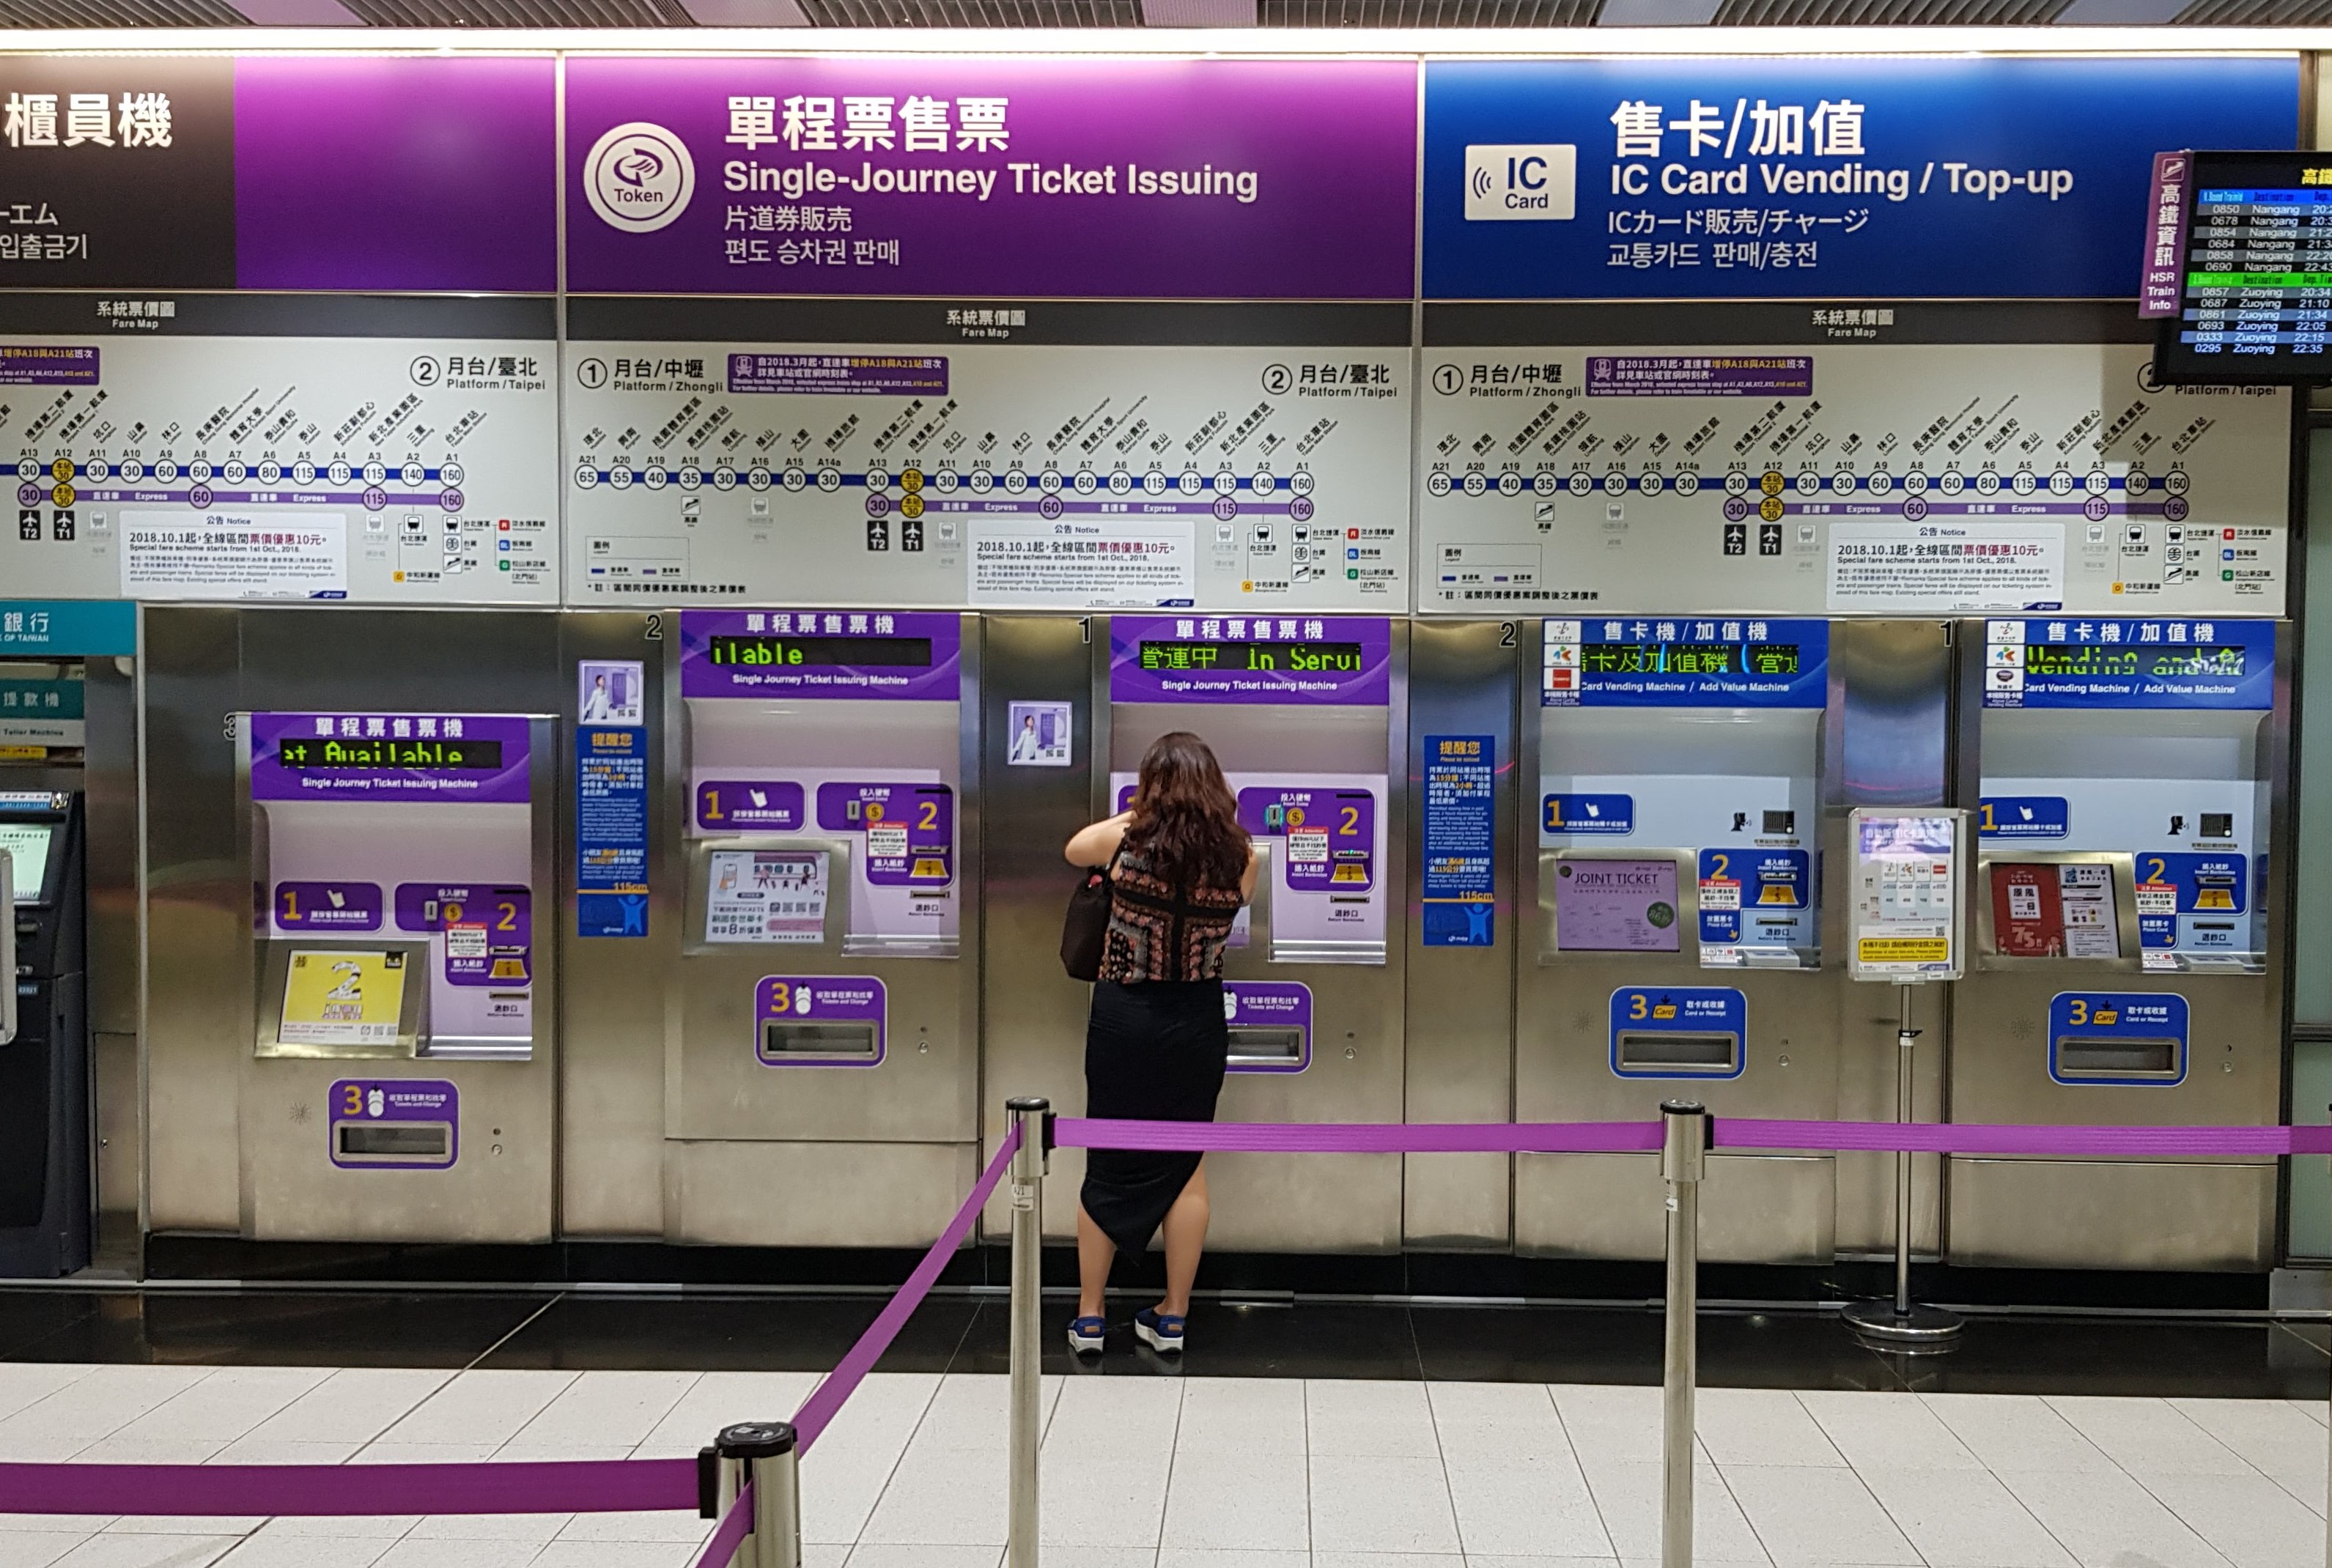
[(1462, 680), (198, 920), (611, 1002)]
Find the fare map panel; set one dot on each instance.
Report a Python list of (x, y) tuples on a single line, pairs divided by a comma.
[(1935, 478), (1039, 476)]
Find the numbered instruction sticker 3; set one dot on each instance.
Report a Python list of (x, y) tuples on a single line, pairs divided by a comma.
[(766, 896), (1053, 476), (374, 470), (1865, 478)]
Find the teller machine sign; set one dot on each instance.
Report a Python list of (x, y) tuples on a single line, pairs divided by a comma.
[(400, 855)]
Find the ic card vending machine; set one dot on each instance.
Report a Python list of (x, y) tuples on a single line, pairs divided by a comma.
[(820, 1021), (1677, 875), (1307, 715), (402, 1082), (45, 1196), (2127, 781)]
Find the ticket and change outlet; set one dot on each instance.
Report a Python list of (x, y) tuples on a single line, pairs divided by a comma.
[(1301, 711), (1678, 825), (403, 862), (2122, 772), (820, 1017)]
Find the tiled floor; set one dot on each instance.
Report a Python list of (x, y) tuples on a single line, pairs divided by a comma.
[(1216, 1472)]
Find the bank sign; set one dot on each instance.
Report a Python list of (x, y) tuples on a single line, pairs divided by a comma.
[(1830, 178)]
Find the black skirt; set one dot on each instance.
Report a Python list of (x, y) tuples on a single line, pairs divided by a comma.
[(1154, 1052)]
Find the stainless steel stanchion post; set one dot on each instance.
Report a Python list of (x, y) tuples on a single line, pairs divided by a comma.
[(766, 1455), (1684, 1147), (1027, 1296), (1903, 1324)]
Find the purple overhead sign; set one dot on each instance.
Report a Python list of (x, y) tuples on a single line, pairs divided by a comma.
[(1062, 178)]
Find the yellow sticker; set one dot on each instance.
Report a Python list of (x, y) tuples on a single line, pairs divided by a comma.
[(343, 998), (931, 869), (1904, 950)]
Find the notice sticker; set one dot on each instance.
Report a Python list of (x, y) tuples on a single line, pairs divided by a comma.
[(1130, 564), (343, 998), (1944, 564), (234, 555)]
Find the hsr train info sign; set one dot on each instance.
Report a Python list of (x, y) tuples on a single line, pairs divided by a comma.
[(1834, 178), (1052, 178)]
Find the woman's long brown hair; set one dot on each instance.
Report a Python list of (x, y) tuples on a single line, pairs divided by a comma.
[(1185, 819)]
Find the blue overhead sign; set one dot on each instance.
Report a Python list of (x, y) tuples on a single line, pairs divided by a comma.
[(2069, 661), (1837, 177)]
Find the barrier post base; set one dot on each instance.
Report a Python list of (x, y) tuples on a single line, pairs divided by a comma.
[(1913, 1330)]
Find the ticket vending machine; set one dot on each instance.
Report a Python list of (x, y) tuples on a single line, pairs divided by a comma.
[(1307, 715), (44, 1063), (820, 1022), (1675, 868), (2125, 780), (401, 1085)]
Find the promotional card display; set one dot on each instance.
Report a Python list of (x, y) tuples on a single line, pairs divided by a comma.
[(411, 828), (369, 450), (1902, 475)]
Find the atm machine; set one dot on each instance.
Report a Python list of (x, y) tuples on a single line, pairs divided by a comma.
[(1307, 714), (1677, 875), (46, 1195), (401, 1081), (820, 1058), (2126, 781)]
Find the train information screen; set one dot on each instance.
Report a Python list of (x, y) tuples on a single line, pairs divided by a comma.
[(1183, 653), (1690, 658), (2255, 277), (304, 754), (855, 652)]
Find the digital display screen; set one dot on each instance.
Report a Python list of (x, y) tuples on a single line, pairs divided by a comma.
[(1305, 658), (27, 844), (2255, 277), (1689, 658), (775, 651), (2168, 663), (317, 754)]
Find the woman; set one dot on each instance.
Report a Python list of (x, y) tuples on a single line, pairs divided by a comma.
[(1155, 1043)]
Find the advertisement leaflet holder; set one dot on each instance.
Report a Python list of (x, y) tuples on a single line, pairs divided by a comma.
[(1906, 926)]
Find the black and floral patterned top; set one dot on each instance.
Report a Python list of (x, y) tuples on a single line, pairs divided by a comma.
[(1158, 932)]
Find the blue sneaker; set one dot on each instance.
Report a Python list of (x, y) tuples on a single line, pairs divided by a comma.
[(1158, 1331), (1087, 1333)]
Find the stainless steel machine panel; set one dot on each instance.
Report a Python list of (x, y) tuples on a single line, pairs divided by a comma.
[(1742, 455), (1463, 678), (1256, 454), (820, 988), (2093, 749), (465, 1146), (280, 446), (1673, 857)]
